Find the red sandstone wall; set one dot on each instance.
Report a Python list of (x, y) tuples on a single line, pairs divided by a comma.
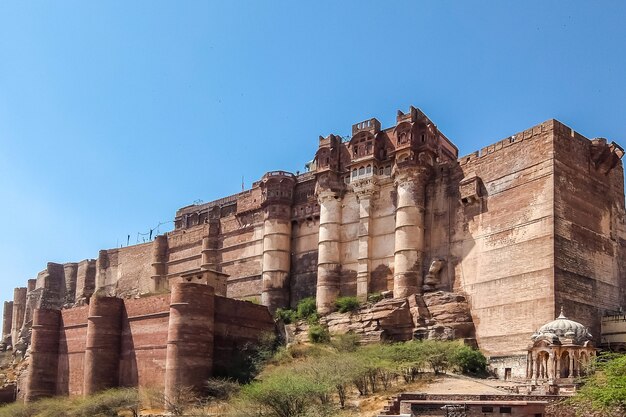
[(438, 224), (144, 341), (72, 343), (241, 250), (303, 259), (237, 323), (502, 248), (129, 269), (184, 249), (589, 216)]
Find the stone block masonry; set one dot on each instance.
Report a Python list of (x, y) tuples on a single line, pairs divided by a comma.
[(163, 341), (521, 228)]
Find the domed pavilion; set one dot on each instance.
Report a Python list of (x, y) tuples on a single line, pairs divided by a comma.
[(559, 352)]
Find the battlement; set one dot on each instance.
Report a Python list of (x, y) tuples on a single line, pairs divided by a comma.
[(272, 174), (517, 138), (371, 125), (524, 136), (391, 210)]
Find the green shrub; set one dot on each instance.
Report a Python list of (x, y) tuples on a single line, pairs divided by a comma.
[(253, 300), (318, 334), (604, 392), (106, 403), (285, 315), (346, 304), (470, 361), (19, 410), (221, 388), (306, 308), (374, 297), (284, 393), (247, 361), (346, 342)]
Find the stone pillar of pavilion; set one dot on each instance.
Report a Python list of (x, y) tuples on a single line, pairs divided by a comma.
[(559, 352)]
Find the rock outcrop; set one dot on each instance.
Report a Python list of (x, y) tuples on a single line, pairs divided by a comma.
[(436, 315)]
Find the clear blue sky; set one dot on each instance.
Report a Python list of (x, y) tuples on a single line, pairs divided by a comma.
[(113, 114)]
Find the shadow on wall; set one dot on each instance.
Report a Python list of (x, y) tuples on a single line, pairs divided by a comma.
[(71, 365), (129, 374), (63, 373), (381, 279)]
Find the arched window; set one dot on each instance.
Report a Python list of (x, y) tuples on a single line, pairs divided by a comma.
[(368, 170), (361, 171), (354, 173)]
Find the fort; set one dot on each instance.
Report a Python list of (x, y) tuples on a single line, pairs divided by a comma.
[(487, 247)]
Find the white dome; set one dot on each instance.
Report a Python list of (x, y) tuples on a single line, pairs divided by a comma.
[(563, 328)]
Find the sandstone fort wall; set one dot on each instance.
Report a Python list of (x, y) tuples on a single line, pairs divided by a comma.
[(128, 346), (525, 226)]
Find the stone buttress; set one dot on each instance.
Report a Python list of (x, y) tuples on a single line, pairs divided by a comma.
[(277, 196), (44, 351), (190, 337)]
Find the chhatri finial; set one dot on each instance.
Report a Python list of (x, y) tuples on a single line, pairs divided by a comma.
[(561, 316)]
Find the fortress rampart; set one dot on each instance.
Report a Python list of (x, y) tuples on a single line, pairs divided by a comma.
[(522, 227), (164, 341)]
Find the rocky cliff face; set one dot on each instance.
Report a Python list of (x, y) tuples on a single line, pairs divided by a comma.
[(436, 315)]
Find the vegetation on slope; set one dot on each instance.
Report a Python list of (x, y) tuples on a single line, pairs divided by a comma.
[(603, 393), (313, 380), (109, 403), (296, 381)]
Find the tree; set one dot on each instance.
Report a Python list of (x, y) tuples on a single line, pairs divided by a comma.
[(284, 393), (470, 361)]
